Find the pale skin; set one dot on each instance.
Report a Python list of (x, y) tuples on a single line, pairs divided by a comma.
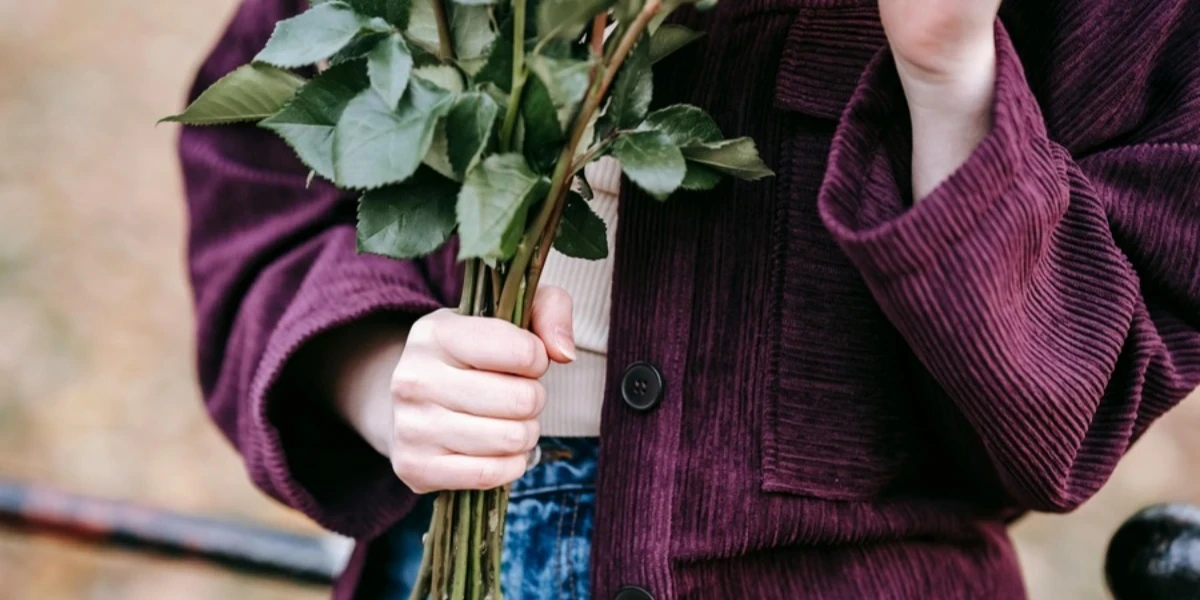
[(454, 401)]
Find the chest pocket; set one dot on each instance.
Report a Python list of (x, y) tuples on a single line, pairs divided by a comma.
[(841, 422)]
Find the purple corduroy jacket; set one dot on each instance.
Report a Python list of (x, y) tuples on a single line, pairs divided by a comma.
[(859, 393)]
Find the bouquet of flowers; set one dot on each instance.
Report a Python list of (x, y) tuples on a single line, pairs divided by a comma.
[(476, 118)]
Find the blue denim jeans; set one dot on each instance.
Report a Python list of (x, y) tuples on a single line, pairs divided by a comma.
[(548, 532)]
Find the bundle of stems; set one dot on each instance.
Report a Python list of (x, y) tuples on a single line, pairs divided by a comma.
[(463, 548), (421, 134)]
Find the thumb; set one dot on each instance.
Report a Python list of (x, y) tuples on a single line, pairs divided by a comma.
[(552, 323)]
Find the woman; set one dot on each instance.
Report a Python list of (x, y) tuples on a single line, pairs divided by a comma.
[(973, 284)]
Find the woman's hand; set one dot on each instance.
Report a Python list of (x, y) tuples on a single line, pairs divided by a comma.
[(945, 53), (455, 404)]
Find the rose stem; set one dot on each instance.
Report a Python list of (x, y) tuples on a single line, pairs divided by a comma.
[(445, 42), (518, 76), (425, 577), (477, 524), (553, 210)]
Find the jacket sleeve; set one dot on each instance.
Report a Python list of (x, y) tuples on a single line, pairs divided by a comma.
[(1054, 300), (272, 264)]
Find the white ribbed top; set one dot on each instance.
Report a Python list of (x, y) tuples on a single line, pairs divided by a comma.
[(575, 392)]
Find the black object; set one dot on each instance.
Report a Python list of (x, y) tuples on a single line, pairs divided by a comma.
[(633, 592), (243, 547), (1155, 555), (642, 386)]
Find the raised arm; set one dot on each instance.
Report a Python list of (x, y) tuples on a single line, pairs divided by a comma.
[(1053, 295)]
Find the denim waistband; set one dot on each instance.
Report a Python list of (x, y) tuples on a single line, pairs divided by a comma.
[(563, 463)]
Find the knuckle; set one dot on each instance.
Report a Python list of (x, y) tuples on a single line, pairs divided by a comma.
[(426, 327), (411, 429), (527, 399), (525, 349), (553, 300), (489, 475), (409, 468), (439, 325), (408, 385), (554, 295), (520, 437), (513, 438)]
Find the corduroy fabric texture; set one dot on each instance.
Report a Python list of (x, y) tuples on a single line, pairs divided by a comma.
[(859, 393)]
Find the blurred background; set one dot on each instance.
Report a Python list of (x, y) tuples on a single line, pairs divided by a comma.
[(96, 383)]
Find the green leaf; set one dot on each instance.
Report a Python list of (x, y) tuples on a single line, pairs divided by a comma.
[(251, 93), (737, 157), (359, 47), (498, 68), (669, 6), (581, 233), (407, 220), (589, 137), (476, 2), (494, 92), (473, 35), (626, 10), (307, 122), (389, 66), (565, 19), (494, 204), (669, 39), (700, 177), (516, 229), (469, 127), (566, 82), (312, 36), (422, 24), (394, 12), (542, 135), (423, 57), (633, 88), (438, 157), (651, 161), (443, 76), (375, 145), (561, 49), (683, 124)]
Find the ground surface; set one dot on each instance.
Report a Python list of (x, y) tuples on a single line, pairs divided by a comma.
[(96, 391)]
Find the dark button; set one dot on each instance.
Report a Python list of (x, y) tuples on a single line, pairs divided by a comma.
[(642, 386), (632, 592)]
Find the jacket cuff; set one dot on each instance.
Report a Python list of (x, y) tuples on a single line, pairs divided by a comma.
[(865, 200), (309, 457)]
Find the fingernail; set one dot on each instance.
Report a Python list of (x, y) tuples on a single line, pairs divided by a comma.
[(565, 342)]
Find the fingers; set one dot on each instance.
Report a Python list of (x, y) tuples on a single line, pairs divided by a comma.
[(552, 322), (466, 396), (458, 433), (490, 345), (478, 393), (458, 472)]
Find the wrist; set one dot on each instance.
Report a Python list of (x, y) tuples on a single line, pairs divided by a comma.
[(951, 114), (361, 358), (961, 86)]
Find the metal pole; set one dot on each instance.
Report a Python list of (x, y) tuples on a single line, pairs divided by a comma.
[(242, 546)]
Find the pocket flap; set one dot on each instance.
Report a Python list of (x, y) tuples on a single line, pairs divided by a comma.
[(822, 46)]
